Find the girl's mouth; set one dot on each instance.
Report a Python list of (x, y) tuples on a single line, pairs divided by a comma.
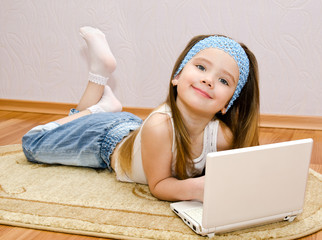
[(203, 93)]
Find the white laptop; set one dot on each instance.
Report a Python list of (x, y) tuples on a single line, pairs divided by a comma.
[(250, 186)]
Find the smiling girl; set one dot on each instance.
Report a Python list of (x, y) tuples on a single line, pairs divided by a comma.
[(213, 105)]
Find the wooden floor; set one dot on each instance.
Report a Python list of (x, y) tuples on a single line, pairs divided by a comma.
[(13, 125)]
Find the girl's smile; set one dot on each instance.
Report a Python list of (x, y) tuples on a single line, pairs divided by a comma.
[(203, 93)]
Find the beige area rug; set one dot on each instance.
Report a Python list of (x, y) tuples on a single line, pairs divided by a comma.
[(90, 202)]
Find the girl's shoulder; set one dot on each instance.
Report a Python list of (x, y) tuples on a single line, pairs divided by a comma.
[(161, 117), (158, 123), (156, 140), (225, 137), (158, 126)]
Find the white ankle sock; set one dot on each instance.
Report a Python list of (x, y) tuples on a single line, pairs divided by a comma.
[(108, 103), (97, 79), (96, 109)]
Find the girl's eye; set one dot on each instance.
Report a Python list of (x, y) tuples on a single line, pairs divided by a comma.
[(223, 81), (200, 67)]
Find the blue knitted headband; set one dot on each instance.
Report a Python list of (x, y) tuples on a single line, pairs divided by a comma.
[(229, 46)]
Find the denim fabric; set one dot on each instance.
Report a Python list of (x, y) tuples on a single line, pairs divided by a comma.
[(88, 141), (73, 111)]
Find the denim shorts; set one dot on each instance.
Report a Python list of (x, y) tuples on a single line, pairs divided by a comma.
[(88, 141)]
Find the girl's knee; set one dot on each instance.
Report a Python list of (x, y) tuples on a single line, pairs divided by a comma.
[(27, 146), (44, 128), (30, 141)]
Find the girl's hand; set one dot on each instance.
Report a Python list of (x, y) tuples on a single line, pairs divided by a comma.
[(199, 188)]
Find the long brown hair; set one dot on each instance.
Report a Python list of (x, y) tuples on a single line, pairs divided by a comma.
[(242, 118)]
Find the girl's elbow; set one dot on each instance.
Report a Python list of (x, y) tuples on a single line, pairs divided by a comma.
[(160, 193), (155, 193)]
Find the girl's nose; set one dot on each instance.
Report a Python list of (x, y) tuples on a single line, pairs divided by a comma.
[(208, 82)]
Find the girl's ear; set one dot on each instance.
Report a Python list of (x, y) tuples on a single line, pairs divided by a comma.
[(175, 80), (224, 110)]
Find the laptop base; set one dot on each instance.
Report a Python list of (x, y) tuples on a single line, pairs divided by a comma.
[(179, 209)]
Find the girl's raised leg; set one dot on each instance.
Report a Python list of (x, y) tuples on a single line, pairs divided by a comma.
[(79, 142), (101, 64), (97, 97)]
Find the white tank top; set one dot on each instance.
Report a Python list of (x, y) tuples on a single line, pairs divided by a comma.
[(138, 175)]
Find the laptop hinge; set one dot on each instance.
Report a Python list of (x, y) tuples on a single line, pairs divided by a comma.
[(290, 218)]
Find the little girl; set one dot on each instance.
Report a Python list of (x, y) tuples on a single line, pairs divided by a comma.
[(213, 105)]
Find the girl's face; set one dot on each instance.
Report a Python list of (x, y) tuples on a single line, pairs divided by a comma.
[(207, 82)]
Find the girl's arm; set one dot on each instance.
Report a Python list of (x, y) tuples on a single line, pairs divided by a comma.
[(156, 151)]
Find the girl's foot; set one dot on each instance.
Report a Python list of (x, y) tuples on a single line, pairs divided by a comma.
[(101, 59), (108, 103)]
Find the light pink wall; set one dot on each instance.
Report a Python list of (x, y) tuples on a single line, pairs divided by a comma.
[(43, 58)]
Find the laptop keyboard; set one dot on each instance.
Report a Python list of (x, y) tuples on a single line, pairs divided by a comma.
[(195, 213)]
